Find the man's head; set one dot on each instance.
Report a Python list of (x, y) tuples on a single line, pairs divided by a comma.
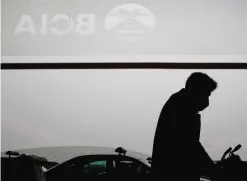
[(200, 86)]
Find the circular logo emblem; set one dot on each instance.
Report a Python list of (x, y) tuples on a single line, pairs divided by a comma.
[(130, 22)]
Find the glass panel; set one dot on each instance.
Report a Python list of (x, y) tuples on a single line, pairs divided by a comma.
[(109, 107), (129, 167), (44, 30), (95, 167), (98, 163)]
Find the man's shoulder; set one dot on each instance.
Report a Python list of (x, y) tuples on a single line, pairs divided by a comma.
[(176, 101), (176, 97)]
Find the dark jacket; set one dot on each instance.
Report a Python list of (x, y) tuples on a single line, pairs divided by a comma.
[(177, 151)]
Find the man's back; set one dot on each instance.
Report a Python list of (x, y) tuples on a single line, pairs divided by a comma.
[(176, 137)]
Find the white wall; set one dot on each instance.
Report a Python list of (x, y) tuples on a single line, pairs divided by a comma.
[(111, 107)]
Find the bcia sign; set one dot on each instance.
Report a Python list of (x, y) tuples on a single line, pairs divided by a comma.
[(84, 24), (126, 20)]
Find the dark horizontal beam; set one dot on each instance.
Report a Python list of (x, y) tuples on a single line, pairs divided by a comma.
[(129, 65)]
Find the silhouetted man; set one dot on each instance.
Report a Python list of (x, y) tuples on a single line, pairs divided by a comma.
[(177, 152)]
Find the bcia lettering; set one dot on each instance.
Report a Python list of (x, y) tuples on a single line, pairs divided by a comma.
[(84, 24)]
